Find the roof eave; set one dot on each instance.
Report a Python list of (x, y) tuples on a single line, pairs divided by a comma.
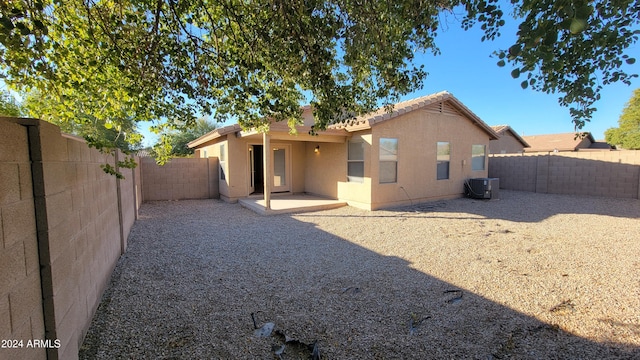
[(212, 135)]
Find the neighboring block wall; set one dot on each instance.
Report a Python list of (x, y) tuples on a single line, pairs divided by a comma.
[(83, 217), (180, 178), (598, 173), (20, 293)]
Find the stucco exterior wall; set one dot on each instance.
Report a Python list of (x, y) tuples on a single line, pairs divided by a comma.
[(324, 167), (507, 144), (358, 194), (236, 184), (418, 133), (325, 172), (299, 152), (212, 150)]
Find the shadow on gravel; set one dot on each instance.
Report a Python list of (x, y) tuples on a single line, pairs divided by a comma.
[(195, 271), (520, 206)]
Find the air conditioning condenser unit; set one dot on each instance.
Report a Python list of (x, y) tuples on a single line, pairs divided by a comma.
[(482, 188)]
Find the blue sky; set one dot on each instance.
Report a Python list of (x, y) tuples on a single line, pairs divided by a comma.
[(466, 70)]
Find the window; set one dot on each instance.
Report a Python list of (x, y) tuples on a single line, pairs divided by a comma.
[(478, 155), (355, 161), (223, 162), (388, 160), (443, 159)]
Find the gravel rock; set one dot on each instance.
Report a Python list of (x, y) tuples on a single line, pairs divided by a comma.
[(529, 276)]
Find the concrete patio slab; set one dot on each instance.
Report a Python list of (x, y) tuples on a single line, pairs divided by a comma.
[(290, 203)]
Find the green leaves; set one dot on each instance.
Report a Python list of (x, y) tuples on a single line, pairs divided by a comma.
[(110, 65), (577, 25), (8, 105), (627, 134), (572, 48)]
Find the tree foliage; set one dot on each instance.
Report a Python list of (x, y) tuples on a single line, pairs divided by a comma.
[(174, 142), (627, 134), (8, 105), (119, 62), (98, 134)]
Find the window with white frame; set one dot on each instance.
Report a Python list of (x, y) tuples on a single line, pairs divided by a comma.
[(355, 161), (478, 157), (443, 160), (388, 160), (222, 159)]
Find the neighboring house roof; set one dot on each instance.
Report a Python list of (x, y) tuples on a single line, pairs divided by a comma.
[(501, 130), (436, 100), (443, 102), (600, 144), (558, 142)]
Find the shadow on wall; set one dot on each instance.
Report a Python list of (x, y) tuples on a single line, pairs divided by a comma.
[(196, 271), (610, 174)]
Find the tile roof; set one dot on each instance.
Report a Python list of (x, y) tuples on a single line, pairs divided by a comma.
[(559, 142), (375, 117), (380, 115)]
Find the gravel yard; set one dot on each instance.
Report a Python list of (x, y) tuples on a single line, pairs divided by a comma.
[(529, 276)]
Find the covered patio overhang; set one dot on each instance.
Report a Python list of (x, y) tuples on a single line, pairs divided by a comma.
[(295, 203)]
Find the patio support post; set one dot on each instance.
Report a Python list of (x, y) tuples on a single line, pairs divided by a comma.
[(266, 154)]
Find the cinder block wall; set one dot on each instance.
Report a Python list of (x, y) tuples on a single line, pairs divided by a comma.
[(181, 178), (82, 217), (596, 173), (21, 315)]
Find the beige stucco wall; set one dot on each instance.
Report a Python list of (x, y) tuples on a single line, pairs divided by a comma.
[(325, 173), (325, 169), (237, 167), (418, 133), (358, 194), (211, 149), (507, 144)]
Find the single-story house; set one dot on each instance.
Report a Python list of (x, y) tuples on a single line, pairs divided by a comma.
[(564, 142), (423, 150), (508, 143)]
